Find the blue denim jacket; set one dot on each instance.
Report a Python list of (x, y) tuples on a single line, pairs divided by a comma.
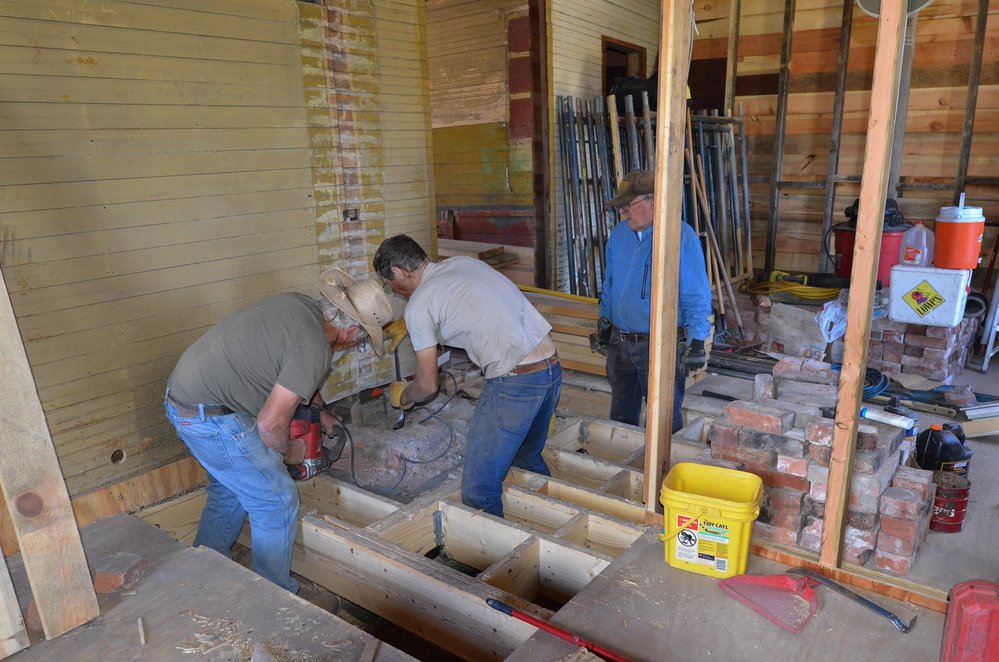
[(626, 296)]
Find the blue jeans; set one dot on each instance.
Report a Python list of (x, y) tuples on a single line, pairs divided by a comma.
[(244, 477), (628, 374), (509, 428)]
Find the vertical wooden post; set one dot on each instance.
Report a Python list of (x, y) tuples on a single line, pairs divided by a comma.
[(36, 494), (674, 65), (13, 636), (870, 216)]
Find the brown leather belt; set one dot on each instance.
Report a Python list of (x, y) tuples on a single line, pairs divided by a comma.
[(537, 366), (627, 336), (194, 411)]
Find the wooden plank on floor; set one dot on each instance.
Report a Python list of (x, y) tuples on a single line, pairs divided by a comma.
[(36, 493)]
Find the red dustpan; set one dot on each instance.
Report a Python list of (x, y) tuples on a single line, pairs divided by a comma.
[(785, 600)]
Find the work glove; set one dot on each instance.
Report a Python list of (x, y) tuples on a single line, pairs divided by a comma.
[(600, 339), (694, 357), (395, 395), (394, 333)]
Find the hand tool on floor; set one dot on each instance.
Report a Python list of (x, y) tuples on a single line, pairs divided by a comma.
[(575, 639), (787, 601), (842, 590), (320, 451)]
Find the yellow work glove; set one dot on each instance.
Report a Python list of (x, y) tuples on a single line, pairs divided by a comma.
[(394, 334), (395, 395)]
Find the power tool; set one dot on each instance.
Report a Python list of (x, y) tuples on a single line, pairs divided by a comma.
[(320, 452)]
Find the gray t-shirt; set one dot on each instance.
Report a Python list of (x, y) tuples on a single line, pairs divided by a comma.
[(277, 340), (463, 302)]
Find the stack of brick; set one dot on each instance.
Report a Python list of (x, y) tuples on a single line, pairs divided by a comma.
[(933, 352), (783, 437), (906, 508)]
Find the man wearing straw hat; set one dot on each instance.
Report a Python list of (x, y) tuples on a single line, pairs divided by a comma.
[(232, 396), (626, 297)]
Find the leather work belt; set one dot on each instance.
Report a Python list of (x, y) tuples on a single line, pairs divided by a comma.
[(537, 366), (194, 411), (627, 336)]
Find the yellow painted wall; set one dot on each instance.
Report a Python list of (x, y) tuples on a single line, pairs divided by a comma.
[(166, 165)]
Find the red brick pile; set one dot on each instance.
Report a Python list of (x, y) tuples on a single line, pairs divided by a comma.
[(783, 438), (906, 508), (934, 352)]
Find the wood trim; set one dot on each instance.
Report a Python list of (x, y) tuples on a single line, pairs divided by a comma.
[(128, 495), (638, 53), (674, 47), (36, 494), (732, 56), (870, 216)]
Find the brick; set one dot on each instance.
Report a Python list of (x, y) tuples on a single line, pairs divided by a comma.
[(786, 499), (893, 563), (900, 528), (759, 417), (793, 466), (912, 350), (753, 458), (939, 332), (803, 414), (916, 329), (867, 462), (811, 535), (763, 387), (875, 343), (817, 391), (858, 545), (903, 503), (892, 346), (897, 546), (813, 508), (698, 404), (928, 341), (817, 490), (918, 480), (893, 336), (876, 483), (875, 355), (820, 431), (815, 399), (891, 356), (778, 479), (781, 444), (818, 474), (819, 454), (786, 519), (876, 334), (724, 432), (119, 572), (787, 364), (777, 534), (863, 521)]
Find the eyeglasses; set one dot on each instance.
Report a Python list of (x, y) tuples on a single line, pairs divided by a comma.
[(626, 209)]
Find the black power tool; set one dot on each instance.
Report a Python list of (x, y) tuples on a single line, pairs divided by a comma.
[(320, 452)]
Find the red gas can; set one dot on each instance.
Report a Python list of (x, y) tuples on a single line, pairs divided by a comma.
[(971, 632)]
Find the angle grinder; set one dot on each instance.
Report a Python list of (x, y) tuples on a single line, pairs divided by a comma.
[(321, 451)]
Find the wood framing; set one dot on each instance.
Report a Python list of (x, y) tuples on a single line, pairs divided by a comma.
[(732, 59), (974, 77), (873, 191), (777, 166), (674, 65), (36, 494)]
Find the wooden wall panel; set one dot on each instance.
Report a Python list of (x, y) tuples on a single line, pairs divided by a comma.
[(934, 121), (168, 162)]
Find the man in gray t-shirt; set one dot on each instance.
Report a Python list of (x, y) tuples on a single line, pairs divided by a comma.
[(232, 396), (462, 302)]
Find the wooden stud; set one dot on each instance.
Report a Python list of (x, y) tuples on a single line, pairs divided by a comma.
[(732, 61), (674, 65), (873, 191), (36, 492), (974, 76)]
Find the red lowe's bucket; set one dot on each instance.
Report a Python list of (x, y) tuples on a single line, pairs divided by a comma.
[(951, 502)]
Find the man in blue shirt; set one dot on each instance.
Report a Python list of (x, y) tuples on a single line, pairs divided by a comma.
[(625, 302)]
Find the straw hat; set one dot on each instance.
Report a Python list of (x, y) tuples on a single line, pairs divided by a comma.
[(364, 300)]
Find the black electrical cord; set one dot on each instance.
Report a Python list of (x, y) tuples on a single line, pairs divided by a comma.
[(875, 381)]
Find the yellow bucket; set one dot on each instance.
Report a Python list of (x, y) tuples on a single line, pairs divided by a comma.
[(708, 513)]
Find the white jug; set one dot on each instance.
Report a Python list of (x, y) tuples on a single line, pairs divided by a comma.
[(916, 249)]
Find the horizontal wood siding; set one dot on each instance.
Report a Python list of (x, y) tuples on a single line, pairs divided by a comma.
[(155, 178), (934, 121), (166, 162)]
